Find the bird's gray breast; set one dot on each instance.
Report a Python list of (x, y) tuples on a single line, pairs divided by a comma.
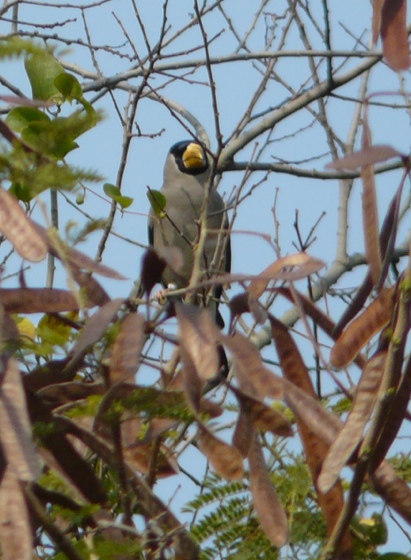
[(181, 226)]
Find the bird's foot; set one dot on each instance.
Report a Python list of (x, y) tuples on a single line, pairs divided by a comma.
[(161, 295)]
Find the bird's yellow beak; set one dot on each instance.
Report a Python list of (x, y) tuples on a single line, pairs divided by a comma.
[(193, 157)]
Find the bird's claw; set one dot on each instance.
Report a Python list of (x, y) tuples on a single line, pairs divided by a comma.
[(162, 295)]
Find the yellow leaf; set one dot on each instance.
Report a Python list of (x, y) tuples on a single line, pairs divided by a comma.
[(26, 328)]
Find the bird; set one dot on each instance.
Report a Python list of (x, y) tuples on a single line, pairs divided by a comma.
[(187, 174)]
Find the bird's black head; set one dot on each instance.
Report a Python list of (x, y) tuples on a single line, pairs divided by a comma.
[(190, 157)]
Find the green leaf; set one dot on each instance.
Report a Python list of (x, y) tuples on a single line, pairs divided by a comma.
[(11, 47), (20, 117), (114, 193), (125, 201), (373, 529), (42, 69), (30, 176), (68, 86), (111, 190), (47, 139), (21, 192), (57, 137), (158, 202)]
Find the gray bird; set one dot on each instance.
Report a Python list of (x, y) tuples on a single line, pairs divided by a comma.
[(186, 177)]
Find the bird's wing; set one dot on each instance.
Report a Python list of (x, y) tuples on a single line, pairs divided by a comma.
[(227, 256), (150, 232)]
